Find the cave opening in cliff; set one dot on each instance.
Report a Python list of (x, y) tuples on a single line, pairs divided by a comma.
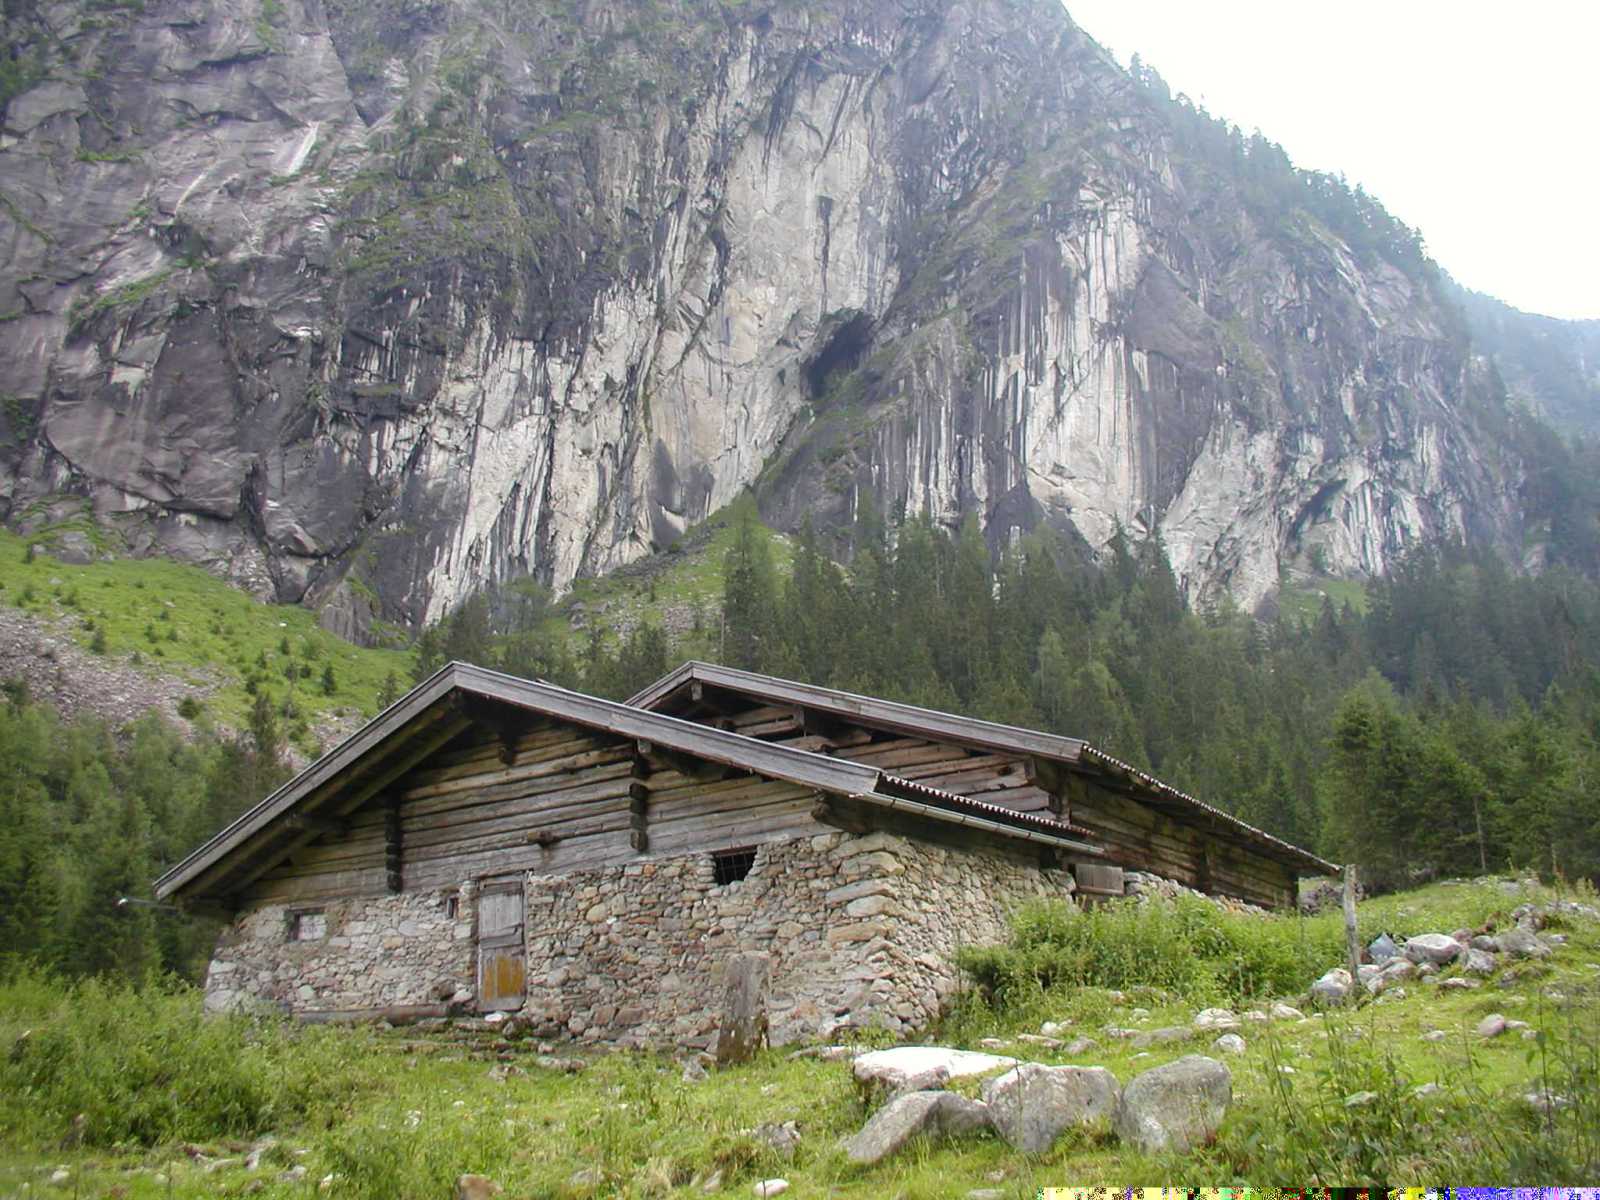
[(843, 351)]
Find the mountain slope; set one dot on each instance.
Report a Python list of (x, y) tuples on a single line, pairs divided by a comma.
[(397, 299), (1550, 365)]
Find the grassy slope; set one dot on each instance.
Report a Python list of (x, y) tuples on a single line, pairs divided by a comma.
[(398, 1122), (667, 589), (1301, 600), (181, 621)]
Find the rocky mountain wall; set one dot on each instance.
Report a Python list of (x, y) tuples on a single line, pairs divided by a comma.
[(370, 304)]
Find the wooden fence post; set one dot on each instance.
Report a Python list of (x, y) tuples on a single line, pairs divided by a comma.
[(1352, 940)]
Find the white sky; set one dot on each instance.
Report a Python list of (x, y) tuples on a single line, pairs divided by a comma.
[(1475, 123)]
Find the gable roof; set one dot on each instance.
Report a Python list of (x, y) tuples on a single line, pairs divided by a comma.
[(1074, 753), (432, 713)]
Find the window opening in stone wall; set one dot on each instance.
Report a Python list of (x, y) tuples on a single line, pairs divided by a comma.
[(452, 907), (730, 866), (308, 926)]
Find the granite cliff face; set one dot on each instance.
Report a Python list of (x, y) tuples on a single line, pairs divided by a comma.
[(371, 303)]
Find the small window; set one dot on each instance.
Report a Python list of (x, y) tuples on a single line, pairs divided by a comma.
[(730, 866), (452, 907), (308, 926)]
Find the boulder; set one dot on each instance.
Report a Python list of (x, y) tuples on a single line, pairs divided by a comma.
[(903, 1118), (1080, 1045), (1435, 948), (1522, 943), (1492, 1026), (1286, 1012), (1382, 949), (931, 1080), (1176, 1106), (890, 1070), (1229, 1043), (1031, 1105), (1216, 1020), (1396, 970), (784, 1139), (771, 1187), (1333, 988), (1160, 1037)]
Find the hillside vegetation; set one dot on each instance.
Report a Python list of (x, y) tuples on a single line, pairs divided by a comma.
[(165, 618), (174, 1107)]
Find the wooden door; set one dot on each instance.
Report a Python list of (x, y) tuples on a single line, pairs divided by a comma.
[(502, 956)]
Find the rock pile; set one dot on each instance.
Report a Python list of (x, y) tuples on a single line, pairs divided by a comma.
[(1031, 1104), (1475, 955)]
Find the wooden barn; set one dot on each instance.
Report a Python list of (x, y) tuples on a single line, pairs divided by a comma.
[(495, 844)]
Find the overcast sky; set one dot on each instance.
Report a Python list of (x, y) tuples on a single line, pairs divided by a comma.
[(1473, 122)]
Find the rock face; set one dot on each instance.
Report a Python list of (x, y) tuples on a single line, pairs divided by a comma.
[(1175, 1106), (1032, 1105), (369, 304)]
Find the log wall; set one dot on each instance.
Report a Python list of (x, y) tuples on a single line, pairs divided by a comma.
[(555, 800)]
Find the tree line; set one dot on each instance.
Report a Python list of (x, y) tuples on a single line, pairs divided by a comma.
[(89, 815)]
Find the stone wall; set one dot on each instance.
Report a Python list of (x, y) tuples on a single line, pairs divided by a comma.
[(376, 952), (861, 930)]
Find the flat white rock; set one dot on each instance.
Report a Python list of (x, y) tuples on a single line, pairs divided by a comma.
[(892, 1068)]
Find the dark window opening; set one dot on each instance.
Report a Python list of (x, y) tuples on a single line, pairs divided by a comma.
[(452, 907), (308, 926), (730, 866)]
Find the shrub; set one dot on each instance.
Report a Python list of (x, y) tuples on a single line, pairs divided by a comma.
[(144, 1067), (1189, 946), (189, 708)]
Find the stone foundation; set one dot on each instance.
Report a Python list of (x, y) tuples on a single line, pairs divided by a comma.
[(862, 931), (376, 952)]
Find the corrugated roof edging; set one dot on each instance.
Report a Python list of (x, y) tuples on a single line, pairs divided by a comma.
[(1166, 789), (894, 783)]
